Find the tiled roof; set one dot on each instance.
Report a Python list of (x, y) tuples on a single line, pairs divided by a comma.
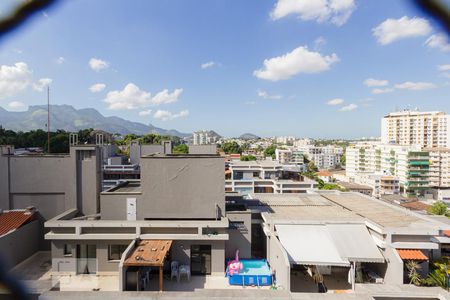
[(11, 220), (411, 254), (447, 233), (415, 205), (323, 173)]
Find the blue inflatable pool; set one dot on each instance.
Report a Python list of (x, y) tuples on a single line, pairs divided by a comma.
[(255, 272)]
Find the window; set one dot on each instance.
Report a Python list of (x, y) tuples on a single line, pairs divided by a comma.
[(67, 250), (115, 251)]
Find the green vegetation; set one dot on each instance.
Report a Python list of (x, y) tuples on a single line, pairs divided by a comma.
[(338, 143), (413, 274), (231, 147), (322, 185), (248, 157), (437, 275), (59, 140), (270, 151), (439, 208), (151, 138), (181, 149)]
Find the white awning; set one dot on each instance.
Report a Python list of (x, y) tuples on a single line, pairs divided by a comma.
[(354, 243), (309, 245)]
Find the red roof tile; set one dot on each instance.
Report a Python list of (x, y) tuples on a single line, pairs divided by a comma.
[(323, 173), (411, 254), (447, 233), (11, 220)]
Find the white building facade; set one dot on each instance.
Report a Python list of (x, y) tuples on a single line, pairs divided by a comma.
[(427, 129)]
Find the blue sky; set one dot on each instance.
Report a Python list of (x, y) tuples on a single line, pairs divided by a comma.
[(272, 67)]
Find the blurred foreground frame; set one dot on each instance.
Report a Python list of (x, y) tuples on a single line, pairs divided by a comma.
[(20, 14), (438, 10)]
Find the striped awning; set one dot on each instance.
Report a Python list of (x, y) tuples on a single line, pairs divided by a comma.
[(411, 254)]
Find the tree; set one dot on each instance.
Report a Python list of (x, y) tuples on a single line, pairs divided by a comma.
[(413, 274), (343, 160), (270, 151), (248, 157), (231, 147), (181, 149), (438, 208)]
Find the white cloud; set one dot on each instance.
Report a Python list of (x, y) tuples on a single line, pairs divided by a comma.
[(370, 82), (349, 107), (145, 113), (382, 91), (334, 11), (319, 42), (42, 84), (415, 86), (16, 105), (439, 41), (97, 64), (266, 95), (14, 79), (98, 87), (443, 68), (392, 30), (335, 101), (208, 64), (164, 97), (60, 60), (299, 60), (132, 97), (167, 115)]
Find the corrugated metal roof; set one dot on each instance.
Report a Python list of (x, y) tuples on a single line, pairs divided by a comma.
[(12, 220), (354, 243), (411, 254), (309, 245)]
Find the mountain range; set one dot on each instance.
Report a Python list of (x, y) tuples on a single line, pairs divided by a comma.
[(68, 118)]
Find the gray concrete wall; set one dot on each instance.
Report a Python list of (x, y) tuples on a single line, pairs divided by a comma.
[(51, 183), (20, 244), (203, 149), (4, 177), (137, 150), (88, 164), (181, 252), (238, 240), (61, 263), (114, 206), (279, 263), (394, 270), (182, 187)]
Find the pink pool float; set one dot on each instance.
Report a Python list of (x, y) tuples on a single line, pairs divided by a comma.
[(235, 266)]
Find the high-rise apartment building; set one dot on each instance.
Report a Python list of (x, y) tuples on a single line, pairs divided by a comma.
[(203, 137), (427, 129), (410, 164)]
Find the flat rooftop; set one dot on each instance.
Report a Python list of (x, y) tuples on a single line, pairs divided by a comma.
[(339, 207)]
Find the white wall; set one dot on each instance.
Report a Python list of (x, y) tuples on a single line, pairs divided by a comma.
[(279, 262)]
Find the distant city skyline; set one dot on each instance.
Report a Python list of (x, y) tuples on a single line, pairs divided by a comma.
[(272, 68)]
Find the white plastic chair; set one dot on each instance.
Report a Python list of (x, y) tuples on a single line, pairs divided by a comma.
[(174, 270), (184, 270)]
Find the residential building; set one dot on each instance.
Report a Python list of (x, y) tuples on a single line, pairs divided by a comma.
[(314, 234), (203, 137), (302, 142), (266, 176), (412, 127), (380, 184), (283, 156), (326, 158), (284, 140), (408, 163)]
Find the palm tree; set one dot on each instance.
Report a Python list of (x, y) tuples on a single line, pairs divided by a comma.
[(413, 275)]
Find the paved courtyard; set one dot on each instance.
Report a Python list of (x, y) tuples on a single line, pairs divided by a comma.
[(35, 273)]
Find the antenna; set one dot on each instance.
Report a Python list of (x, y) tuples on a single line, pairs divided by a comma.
[(48, 118)]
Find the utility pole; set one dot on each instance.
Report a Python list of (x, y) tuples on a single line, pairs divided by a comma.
[(48, 118)]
